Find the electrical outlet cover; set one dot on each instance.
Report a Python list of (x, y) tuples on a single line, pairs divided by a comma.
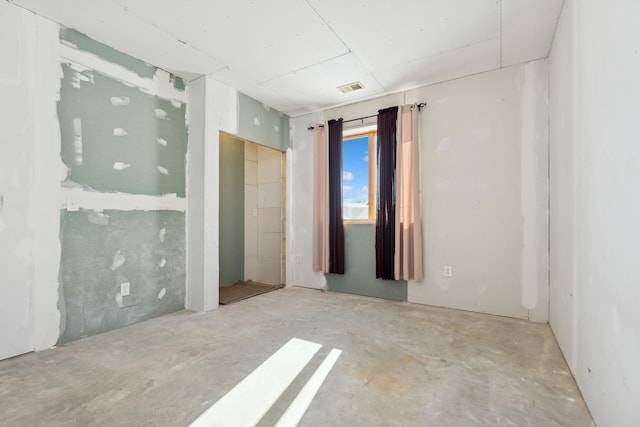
[(448, 271), (124, 289)]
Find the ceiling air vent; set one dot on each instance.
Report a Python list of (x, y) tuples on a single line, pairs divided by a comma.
[(350, 87)]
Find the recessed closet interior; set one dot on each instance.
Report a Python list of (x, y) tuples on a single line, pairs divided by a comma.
[(251, 212)]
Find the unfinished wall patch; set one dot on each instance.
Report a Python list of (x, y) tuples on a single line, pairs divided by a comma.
[(263, 125), (80, 41), (77, 140), (112, 134), (120, 101), (97, 258), (123, 132)]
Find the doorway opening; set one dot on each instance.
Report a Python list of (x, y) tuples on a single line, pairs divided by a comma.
[(252, 218)]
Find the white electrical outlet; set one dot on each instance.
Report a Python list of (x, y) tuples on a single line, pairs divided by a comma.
[(124, 289), (448, 271)]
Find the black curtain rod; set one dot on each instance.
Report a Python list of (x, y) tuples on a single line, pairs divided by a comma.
[(359, 118), (420, 107)]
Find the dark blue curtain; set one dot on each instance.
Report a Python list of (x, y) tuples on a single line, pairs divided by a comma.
[(336, 226), (386, 196)]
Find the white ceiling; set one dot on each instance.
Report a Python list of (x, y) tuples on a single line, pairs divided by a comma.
[(292, 54)]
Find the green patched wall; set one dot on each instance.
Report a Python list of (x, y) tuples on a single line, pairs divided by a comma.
[(360, 267), (231, 218), (102, 250), (82, 42), (129, 143), (260, 123)]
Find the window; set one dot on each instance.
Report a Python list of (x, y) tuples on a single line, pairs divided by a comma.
[(358, 174)]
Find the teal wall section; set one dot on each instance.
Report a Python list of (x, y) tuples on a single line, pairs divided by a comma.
[(119, 124), (360, 267), (82, 42), (231, 210), (121, 139), (260, 123), (102, 250)]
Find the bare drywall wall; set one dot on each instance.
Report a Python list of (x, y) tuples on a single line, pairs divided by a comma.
[(595, 203), (484, 190), (82, 42), (250, 211), (300, 217), (49, 172), (534, 187), (562, 182), (215, 109), (103, 250), (229, 111), (360, 267), (50, 131), (262, 214), (270, 198), (123, 140), (196, 243), (262, 124), (17, 181), (232, 226), (117, 138), (29, 182), (481, 139)]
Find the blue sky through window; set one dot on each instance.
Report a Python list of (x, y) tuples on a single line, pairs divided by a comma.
[(355, 170)]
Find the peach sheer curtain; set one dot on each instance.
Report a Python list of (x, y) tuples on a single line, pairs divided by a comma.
[(408, 249), (320, 240)]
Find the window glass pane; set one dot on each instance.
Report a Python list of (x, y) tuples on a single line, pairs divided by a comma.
[(355, 178)]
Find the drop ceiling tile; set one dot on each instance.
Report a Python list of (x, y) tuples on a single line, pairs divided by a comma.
[(261, 39), (281, 101), (449, 65), (316, 87), (385, 34), (110, 24), (528, 27), (300, 111), (291, 54)]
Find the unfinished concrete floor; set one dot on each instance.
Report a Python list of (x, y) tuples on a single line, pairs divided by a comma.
[(402, 364)]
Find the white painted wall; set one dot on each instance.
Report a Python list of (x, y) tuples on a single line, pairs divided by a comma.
[(595, 203), (484, 191)]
